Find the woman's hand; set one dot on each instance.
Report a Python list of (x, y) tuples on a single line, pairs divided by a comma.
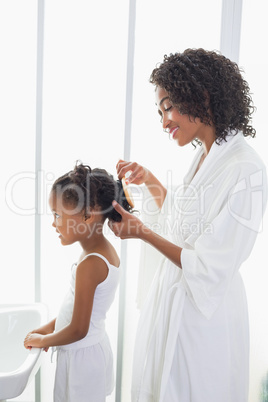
[(139, 174), (34, 340), (130, 226)]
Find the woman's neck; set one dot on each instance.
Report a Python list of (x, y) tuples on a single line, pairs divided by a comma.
[(208, 139)]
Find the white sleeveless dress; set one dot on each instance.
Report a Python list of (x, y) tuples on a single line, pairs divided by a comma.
[(84, 370)]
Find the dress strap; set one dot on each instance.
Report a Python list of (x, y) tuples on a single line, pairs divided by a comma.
[(98, 255)]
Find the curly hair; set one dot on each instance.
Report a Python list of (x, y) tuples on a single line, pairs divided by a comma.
[(84, 188), (207, 85)]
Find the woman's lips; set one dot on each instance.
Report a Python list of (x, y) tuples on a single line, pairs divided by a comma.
[(173, 131)]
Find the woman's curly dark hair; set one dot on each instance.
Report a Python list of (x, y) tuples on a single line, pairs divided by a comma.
[(83, 188), (207, 85)]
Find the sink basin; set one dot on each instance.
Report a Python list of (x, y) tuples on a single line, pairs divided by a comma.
[(18, 365)]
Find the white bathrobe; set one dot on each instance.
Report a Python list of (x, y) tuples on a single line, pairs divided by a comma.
[(192, 342)]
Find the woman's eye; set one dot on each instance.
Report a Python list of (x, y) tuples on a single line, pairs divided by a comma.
[(56, 215), (168, 109), (165, 110)]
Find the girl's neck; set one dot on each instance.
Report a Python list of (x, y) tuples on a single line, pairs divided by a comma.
[(94, 240)]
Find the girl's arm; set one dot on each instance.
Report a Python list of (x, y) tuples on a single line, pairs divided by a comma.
[(131, 227), (45, 329), (89, 274), (140, 175)]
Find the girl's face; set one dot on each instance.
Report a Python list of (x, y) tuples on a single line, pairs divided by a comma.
[(182, 129), (70, 224)]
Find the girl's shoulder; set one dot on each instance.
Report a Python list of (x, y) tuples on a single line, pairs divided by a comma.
[(109, 254), (95, 267), (92, 268)]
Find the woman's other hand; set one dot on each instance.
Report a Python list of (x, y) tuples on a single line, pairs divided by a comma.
[(130, 226)]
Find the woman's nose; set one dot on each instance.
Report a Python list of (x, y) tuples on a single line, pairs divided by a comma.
[(165, 123)]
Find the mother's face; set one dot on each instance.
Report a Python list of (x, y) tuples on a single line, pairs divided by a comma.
[(184, 129)]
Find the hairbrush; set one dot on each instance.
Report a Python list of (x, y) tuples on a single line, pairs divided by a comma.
[(127, 192)]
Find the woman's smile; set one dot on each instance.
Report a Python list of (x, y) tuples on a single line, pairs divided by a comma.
[(173, 131)]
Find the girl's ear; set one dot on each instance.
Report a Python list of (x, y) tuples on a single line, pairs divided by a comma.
[(89, 214), (92, 215), (87, 217)]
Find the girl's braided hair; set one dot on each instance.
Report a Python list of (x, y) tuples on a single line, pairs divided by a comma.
[(84, 188)]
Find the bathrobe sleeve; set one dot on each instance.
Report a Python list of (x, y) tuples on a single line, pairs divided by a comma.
[(210, 263)]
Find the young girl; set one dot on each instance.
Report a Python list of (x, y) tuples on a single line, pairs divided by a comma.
[(81, 201)]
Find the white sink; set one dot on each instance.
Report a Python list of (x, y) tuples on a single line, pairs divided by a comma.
[(18, 365)]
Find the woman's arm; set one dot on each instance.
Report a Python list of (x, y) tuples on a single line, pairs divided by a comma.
[(89, 274), (140, 175), (157, 190), (131, 227), (170, 250)]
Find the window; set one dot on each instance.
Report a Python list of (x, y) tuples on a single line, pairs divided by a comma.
[(254, 61)]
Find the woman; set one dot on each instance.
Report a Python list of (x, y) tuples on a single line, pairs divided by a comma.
[(192, 342)]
